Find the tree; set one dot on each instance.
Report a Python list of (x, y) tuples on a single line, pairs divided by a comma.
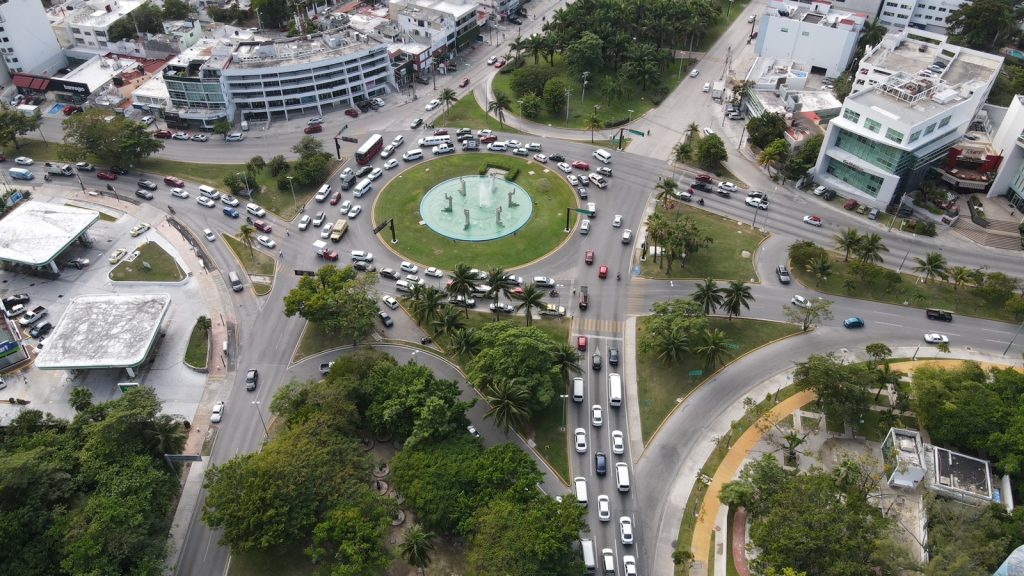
[(256, 164), (841, 388), (416, 547), (593, 122), (774, 153), (666, 187), (870, 248), (13, 124), (735, 297), (428, 306), (711, 151), (567, 358), (709, 295), (524, 356), (246, 234), (713, 348), (119, 141), (81, 398), (879, 353), (500, 285), (273, 13), (821, 267), (530, 80), (147, 18), (533, 537), (465, 342), (531, 297), (447, 97), (842, 87), (585, 53), (498, 106), (959, 276), (531, 105), (818, 311), (766, 128), (463, 282), (176, 10), (933, 264), (672, 345), (555, 95), (982, 25), (847, 240), (510, 403), (448, 321), (336, 299)]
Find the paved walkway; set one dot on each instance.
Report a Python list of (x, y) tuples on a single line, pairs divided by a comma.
[(739, 541)]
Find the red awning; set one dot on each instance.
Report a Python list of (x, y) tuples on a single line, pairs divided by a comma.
[(22, 81), (40, 84)]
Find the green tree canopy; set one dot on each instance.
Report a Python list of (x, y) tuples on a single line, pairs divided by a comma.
[(982, 24), (519, 539), (146, 18), (120, 141), (520, 353), (766, 128), (711, 151), (13, 124), (336, 299), (584, 54), (842, 389)]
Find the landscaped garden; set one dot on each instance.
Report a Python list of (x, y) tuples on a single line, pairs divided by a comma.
[(257, 265), (198, 348), (153, 264)]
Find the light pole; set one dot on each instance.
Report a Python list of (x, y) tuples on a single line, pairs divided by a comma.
[(630, 116), (568, 93), (520, 108), (291, 184), (245, 178), (593, 122), (1011, 339), (583, 93), (564, 396), (266, 433)]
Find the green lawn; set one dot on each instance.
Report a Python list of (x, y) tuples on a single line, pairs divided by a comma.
[(911, 292), (661, 386), (722, 260), (198, 348), (253, 261), (544, 231), (466, 113), (581, 103), (162, 266), (315, 340)]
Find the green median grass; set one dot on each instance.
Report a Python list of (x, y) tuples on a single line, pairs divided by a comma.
[(198, 348), (153, 264)]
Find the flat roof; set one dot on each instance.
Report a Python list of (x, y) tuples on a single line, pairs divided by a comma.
[(36, 232), (302, 49), (105, 331), (963, 473)]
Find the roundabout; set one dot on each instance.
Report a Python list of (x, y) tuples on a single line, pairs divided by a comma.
[(478, 209)]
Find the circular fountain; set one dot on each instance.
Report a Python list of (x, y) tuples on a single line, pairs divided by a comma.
[(476, 208)]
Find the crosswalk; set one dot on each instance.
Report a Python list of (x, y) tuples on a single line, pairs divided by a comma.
[(598, 327)]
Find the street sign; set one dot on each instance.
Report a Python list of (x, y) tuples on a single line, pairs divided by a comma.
[(8, 347), (126, 386), (305, 273), (381, 226), (589, 213), (695, 373), (183, 457), (637, 132), (350, 139)]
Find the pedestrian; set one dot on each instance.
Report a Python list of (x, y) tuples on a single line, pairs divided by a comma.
[(648, 132), (282, 253)]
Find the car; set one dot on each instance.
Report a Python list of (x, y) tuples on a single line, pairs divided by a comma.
[(492, 60), (85, 167), (756, 202), (433, 272), (23, 161), (162, 134), (315, 121), (173, 181), (602, 271), (200, 138), (581, 440), (209, 234), (596, 416), (727, 186), (613, 356), (385, 319), (694, 73), (348, 172), (391, 163), (813, 220), (584, 180), (441, 132), (229, 200), (117, 255), (40, 330), (315, 128), (387, 151), (488, 139), (355, 211), (365, 170), (432, 104), (119, 171), (618, 442), (588, 256), (390, 302), (328, 254), (377, 102), (573, 180), (604, 171), (409, 267), (604, 512), (501, 62), (304, 221), (319, 219), (345, 207), (217, 414), (335, 198), (517, 280), (416, 123), (231, 212), (204, 201), (364, 267), (462, 302), (581, 343), (798, 300), (78, 263), (851, 204), (783, 273), (820, 190), (147, 120), (627, 236), (595, 360), (442, 149), (180, 136), (352, 113), (325, 232), (144, 194), (564, 167), (617, 221), (580, 165), (707, 87), (582, 192), (520, 152), (502, 307), (934, 338), (106, 176), (179, 193), (464, 82), (262, 226), (853, 322), (252, 377), (626, 530), (600, 463), (390, 273), (375, 173), (629, 565), (544, 281)]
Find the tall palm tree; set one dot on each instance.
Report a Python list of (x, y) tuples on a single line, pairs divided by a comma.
[(665, 188), (465, 342), (736, 296), (681, 152), (448, 320), (933, 264), (870, 248), (657, 233), (416, 547), (960, 276), (713, 348), (165, 435), (246, 234), (498, 106), (567, 358), (416, 292), (463, 282), (820, 266), (510, 403), (426, 309), (848, 239), (671, 346), (500, 285), (535, 47), (708, 295), (593, 122), (770, 156), (693, 129), (447, 97), (871, 34), (531, 297)]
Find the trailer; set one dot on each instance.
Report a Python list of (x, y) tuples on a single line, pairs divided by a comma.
[(718, 90)]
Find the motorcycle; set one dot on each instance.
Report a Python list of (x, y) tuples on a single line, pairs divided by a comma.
[(554, 293), (700, 201), (426, 340), (47, 177)]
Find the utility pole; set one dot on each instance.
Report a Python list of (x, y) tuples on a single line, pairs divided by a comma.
[(568, 93), (583, 93)]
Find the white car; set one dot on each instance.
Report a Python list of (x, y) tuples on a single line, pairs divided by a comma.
[(179, 193), (387, 151), (485, 131), (376, 173), (361, 256), (320, 218), (813, 220), (492, 60), (345, 206), (581, 440), (564, 167), (433, 104), (346, 173), (409, 267), (180, 136), (936, 338), (266, 241), (325, 232), (209, 234), (596, 416), (199, 138), (540, 158), (433, 272), (694, 73), (23, 161), (573, 181), (618, 442), (592, 206), (727, 186), (391, 163), (138, 229), (626, 530), (604, 509), (304, 221), (204, 201), (390, 302), (629, 565), (218, 412), (229, 200), (756, 202), (355, 211), (800, 301), (398, 141), (517, 280), (617, 221)]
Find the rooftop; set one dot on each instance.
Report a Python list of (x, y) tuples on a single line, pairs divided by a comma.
[(454, 7), (962, 473), (36, 232), (310, 48), (105, 331), (817, 12), (99, 14)]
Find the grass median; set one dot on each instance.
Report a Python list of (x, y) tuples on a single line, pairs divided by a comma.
[(259, 266), (198, 349), (466, 113), (153, 264)]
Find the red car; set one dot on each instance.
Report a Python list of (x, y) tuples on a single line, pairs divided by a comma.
[(499, 63), (329, 254), (703, 178), (602, 272), (106, 176), (581, 342), (162, 134), (313, 129), (172, 181), (441, 132), (589, 257), (580, 165), (262, 226), (69, 110), (335, 198), (464, 83), (352, 113), (488, 138)]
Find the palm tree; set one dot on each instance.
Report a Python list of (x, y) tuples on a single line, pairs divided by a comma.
[(592, 123), (693, 130), (165, 435), (933, 264), (870, 248), (416, 547), (848, 239), (681, 152), (500, 284), (535, 46), (246, 234), (463, 282), (769, 156), (657, 232), (960, 276), (447, 97), (820, 266), (448, 320), (510, 403), (665, 188), (531, 297), (498, 106), (672, 345), (416, 292), (713, 348), (426, 309), (708, 295), (465, 342), (871, 34), (736, 296), (567, 359)]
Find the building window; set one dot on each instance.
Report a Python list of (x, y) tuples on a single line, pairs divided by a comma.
[(784, 30), (944, 121), (915, 135), (929, 129), (894, 135), (76, 31), (904, 16), (942, 9), (851, 116), (927, 17), (805, 33), (891, 4), (887, 13), (872, 125)]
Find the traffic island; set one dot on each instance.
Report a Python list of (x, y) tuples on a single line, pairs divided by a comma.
[(257, 265), (148, 263), (198, 350)]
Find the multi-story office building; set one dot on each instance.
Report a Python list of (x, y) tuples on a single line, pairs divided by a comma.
[(915, 95), (192, 81), (1009, 141), (87, 22), (929, 15), (812, 34), (27, 41), (444, 24)]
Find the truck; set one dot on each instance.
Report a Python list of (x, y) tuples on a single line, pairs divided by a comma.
[(340, 227), (325, 368), (584, 298), (936, 314), (15, 310), (55, 169), (32, 316), (717, 90)]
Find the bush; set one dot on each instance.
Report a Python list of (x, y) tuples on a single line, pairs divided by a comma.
[(801, 253), (616, 123), (926, 228), (277, 165), (512, 174)]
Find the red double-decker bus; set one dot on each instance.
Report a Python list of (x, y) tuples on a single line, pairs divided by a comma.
[(369, 149)]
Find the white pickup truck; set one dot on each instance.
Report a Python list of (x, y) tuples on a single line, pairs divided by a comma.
[(32, 316)]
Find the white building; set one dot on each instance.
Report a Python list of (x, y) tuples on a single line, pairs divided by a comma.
[(86, 22), (27, 41), (927, 15), (444, 25), (914, 96), (1009, 142), (814, 34), (192, 81)]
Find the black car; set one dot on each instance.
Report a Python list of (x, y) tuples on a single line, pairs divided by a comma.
[(416, 123), (144, 194), (595, 360), (251, 378), (385, 319), (703, 187), (364, 266), (364, 171), (613, 356), (348, 182), (147, 184), (556, 158), (119, 171), (828, 195), (40, 330), (422, 80), (363, 105), (600, 463), (514, 20), (389, 273), (905, 212), (11, 301)]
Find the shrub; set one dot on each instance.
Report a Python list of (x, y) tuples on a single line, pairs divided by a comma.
[(512, 174), (616, 123), (801, 253), (926, 228), (277, 165)]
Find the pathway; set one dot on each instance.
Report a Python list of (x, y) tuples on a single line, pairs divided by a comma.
[(739, 541)]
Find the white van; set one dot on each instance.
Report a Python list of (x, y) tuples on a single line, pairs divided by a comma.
[(435, 140), (236, 284), (245, 125), (580, 486), (414, 154), (403, 286), (622, 476), (21, 174), (209, 191), (589, 560), (603, 155), (323, 193), (608, 560), (615, 389), (577, 390), (255, 210), (499, 146), (364, 186)]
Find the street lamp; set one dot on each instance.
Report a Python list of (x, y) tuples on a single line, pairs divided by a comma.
[(564, 396), (520, 107), (630, 116), (593, 122), (291, 184), (266, 433), (245, 178), (583, 92), (568, 93)]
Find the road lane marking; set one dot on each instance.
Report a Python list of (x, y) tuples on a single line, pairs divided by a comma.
[(889, 324)]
